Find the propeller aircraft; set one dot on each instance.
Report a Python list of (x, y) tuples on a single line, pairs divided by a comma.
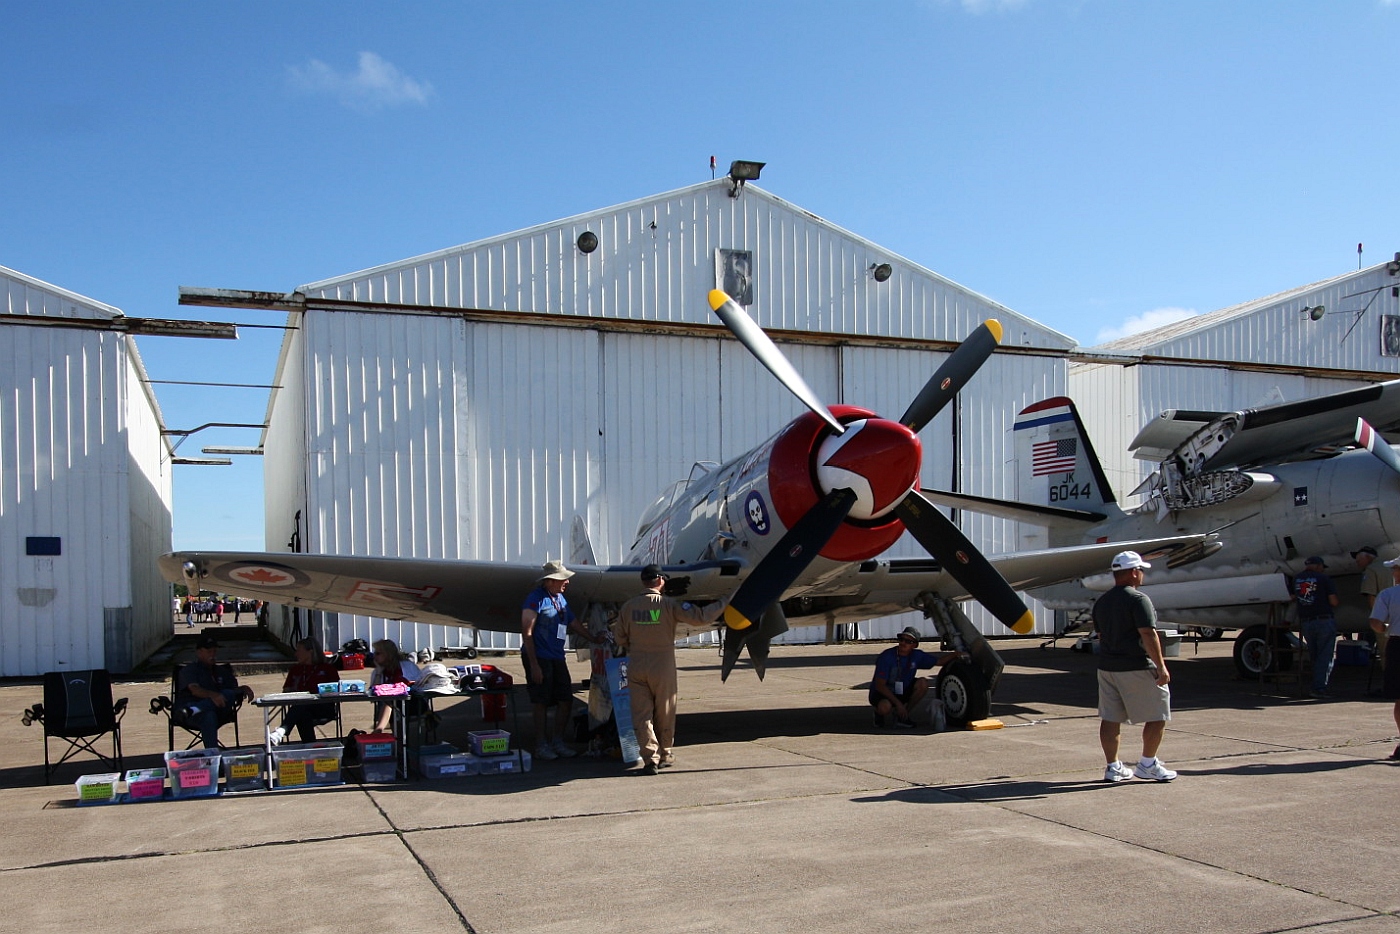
[(1280, 483), (790, 532)]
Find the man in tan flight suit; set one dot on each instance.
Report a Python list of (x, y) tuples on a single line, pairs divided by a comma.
[(646, 629)]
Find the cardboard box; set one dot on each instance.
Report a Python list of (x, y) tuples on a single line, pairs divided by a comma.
[(489, 742), (97, 789), (193, 772)]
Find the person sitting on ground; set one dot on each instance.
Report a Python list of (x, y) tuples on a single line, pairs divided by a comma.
[(206, 692), (390, 667), (895, 687), (310, 670)]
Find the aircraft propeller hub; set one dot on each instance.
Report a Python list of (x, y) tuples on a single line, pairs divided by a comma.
[(875, 458)]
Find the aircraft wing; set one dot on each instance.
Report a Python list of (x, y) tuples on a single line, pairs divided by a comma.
[(1277, 433), (484, 594)]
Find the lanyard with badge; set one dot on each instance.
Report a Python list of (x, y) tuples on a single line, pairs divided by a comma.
[(897, 683), (562, 631)]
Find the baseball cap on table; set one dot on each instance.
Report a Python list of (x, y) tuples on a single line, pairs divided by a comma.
[(1127, 560), (1314, 559), (652, 572), (555, 571), (1364, 550)]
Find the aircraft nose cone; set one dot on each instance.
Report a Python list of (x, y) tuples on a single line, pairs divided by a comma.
[(876, 458)]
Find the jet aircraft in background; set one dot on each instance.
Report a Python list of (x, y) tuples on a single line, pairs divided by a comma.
[(1280, 483), (790, 532)]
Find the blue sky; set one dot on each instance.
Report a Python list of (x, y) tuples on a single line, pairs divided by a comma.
[(1089, 163)]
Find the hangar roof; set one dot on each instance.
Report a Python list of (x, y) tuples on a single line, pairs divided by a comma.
[(658, 256), (25, 295)]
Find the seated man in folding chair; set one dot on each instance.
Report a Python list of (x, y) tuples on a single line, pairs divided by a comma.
[(207, 692)]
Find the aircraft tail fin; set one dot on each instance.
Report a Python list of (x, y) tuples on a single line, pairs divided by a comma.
[(1055, 461), (580, 545)]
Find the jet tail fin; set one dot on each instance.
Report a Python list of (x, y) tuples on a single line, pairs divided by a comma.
[(580, 545), (1056, 463)]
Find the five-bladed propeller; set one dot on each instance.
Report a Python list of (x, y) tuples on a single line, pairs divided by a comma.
[(878, 442)]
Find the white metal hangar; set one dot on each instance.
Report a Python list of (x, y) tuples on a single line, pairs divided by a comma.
[(85, 492), (470, 403), (1308, 341)]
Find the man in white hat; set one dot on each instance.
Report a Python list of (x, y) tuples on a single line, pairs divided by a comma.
[(545, 623), (1385, 618), (1133, 674)]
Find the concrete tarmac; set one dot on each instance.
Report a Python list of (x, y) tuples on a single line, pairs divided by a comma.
[(786, 811)]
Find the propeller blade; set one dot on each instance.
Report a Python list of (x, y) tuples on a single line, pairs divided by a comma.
[(757, 639), (788, 558), (942, 539), (953, 374), (762, 347), (1371, 440)]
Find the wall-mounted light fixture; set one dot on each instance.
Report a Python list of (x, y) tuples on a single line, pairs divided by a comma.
[(1315, 312), (1393, 267), (587, 242), (741, 171), (882, 272)]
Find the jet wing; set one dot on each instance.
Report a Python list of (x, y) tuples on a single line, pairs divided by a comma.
[(483, 594), (1289, 431)]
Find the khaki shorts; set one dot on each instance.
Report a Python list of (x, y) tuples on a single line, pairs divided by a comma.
[(1133, 697)]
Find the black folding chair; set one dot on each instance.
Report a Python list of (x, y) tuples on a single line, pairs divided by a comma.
[(78, 709), (175, 715)]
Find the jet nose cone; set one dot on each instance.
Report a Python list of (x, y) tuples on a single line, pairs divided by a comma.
[(876, 458)]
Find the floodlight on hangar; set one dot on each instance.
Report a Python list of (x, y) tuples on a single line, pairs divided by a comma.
[(587, 242), (741, 171), (1315, 312), (881, 272)]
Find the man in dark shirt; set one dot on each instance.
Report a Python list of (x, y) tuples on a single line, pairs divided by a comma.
[(1315, 596), (1133, 674), (208, 692)]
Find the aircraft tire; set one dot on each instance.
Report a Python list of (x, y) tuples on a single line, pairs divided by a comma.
[(964, 693), (1210, 633), (1254, 656)]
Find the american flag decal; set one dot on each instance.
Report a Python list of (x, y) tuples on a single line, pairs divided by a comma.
[(1049, 457)]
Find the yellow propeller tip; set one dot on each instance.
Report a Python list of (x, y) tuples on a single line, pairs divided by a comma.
[(993, 325), (1025, 624), (732, 617), (717, 298)]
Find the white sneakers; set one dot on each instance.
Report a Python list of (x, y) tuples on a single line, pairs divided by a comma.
[(1156, 772), (275, 737), (545, 751), (562, 749), (1117, 772)]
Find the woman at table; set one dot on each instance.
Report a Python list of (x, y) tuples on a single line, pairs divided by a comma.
[(390, 667), (310, 670)]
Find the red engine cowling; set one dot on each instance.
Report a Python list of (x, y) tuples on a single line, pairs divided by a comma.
[(793, 485)]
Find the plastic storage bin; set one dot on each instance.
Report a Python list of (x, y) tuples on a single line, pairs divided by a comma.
[(97, 789), (380, 770), (489, 742), (193, 772), (375, 746), (417, 755), (449, 765), (145, 784), (518, 761), (315, 763), (243, 769)]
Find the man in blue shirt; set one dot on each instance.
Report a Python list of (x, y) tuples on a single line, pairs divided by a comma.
[(895, 688), (545, 622), (1315, 596)]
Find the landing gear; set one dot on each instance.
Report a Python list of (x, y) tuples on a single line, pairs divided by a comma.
[(1257, 654), (965, 694), (1208, 633)]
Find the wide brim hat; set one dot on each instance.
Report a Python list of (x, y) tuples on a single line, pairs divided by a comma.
[(555, 571)]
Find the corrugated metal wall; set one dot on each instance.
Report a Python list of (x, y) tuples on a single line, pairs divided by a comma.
[(150, 497), (551, 422)]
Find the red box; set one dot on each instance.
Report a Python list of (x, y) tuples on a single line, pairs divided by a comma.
[(352, 661)]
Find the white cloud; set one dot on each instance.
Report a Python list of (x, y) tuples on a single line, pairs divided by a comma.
[(1144, 322), (376, 85)]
